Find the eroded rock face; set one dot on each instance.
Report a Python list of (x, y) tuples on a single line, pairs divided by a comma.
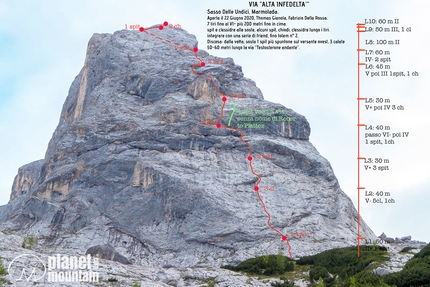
[(107, 252), (27, 176), (138, 163)]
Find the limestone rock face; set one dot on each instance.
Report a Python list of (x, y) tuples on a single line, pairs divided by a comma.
[(138, 163), (106, 251), (26, 178)]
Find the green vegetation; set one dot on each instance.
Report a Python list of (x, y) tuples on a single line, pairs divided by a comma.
[(366, 279), (265, 265), (112, 279), (341, 267), (211, 282), (424, 253), (29, 241), (137, 284), (186, 276), (343, 262), (318, 272), (335, 267), (2, 268), (415, 273), (406, 249), (3, 273), (285, 283)]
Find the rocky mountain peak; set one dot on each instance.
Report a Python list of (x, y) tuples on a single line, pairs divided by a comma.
[(169, 155)]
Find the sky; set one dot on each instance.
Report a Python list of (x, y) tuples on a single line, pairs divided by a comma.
[(43, 45)]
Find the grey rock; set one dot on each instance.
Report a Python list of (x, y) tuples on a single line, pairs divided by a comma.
[(406, 238), (389, 240), (168, 276), (382, 271), (135, 162), (25, 179), (382, 236), (127, 275), (106, 251), (398, 260)]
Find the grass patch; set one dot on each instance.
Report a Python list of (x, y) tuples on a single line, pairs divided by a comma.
[(29, 241), (211, 282), (339, 267), (415, 273), (268, 265), (2, 268), (186, 276), (285, 283), (407, 249), (344, 261), (3, 272)]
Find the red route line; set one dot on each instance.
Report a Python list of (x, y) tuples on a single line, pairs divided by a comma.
[(219, 125), (252, 171), (360, 29), (222, 112), (358, 141)]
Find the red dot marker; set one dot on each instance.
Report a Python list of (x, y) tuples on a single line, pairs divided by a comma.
[(218, 125), (284, 237), (249, 158), (141, 29), (202, 64), (165, 23), (160, 27), (224, 99), (256, 188), (195, 49)]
